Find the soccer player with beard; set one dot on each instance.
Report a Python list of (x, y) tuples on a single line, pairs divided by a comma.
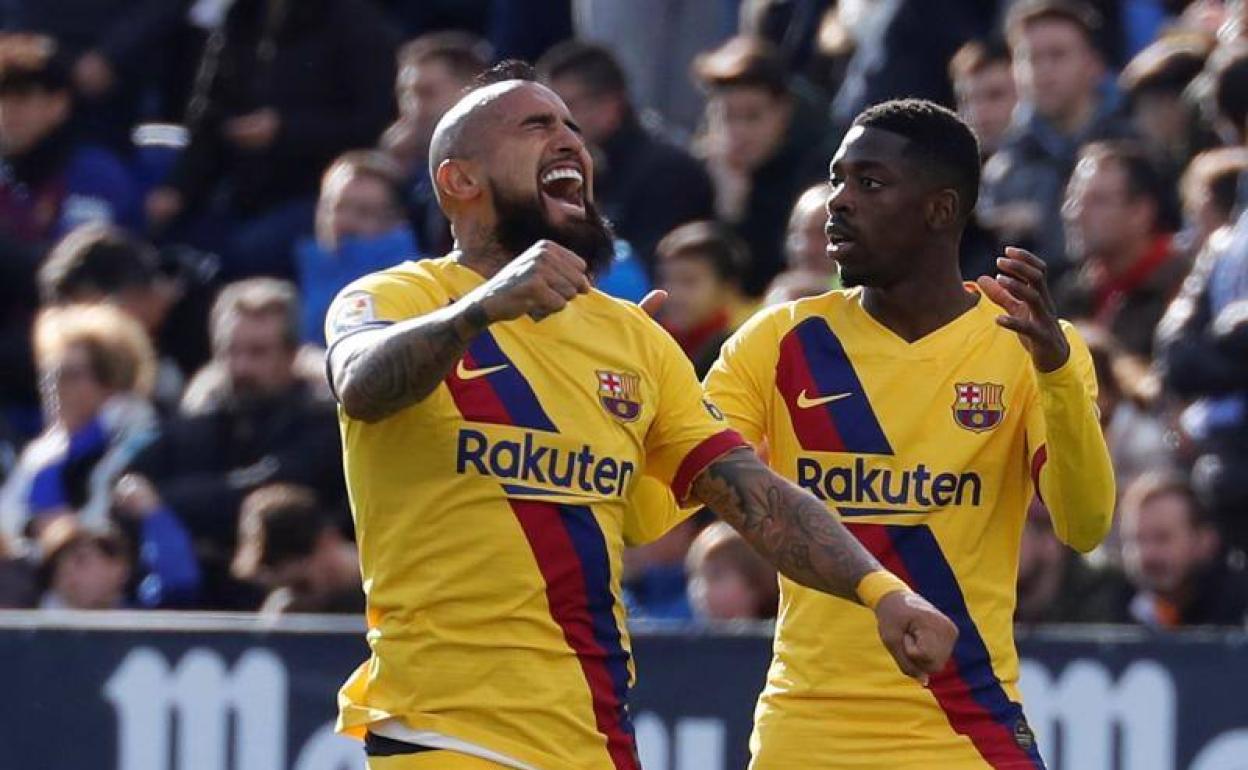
[(499, 418), (928, 418)]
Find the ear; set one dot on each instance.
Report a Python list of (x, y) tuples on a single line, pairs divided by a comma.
[(943, 207), (457, 181)]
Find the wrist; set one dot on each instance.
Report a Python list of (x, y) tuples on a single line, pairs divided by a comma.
[(877, 584)]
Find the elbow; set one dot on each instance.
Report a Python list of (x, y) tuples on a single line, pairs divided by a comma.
[(357, 405)]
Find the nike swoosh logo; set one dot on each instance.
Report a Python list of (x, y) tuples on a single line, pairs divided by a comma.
[(806, 402), (466, 374)]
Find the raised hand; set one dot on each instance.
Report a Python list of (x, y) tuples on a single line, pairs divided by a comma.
[(916, 634), (1022, 291), (538, 283)]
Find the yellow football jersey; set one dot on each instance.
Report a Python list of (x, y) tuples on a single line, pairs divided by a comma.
[(491, 517), (930, 452)]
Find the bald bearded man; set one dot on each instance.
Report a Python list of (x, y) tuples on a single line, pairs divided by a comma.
[(504, 425)]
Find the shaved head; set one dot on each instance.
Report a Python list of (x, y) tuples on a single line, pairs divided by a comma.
[(459, 132)]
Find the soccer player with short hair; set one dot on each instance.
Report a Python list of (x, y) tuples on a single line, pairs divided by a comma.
[(500, 422), (908, 404)]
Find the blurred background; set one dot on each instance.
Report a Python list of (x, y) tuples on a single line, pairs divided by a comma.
[(186, 184)]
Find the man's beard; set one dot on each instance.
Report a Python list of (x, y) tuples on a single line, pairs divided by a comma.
[(523, 222)]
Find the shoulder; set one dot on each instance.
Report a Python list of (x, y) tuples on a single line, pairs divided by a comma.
[(402, 278)]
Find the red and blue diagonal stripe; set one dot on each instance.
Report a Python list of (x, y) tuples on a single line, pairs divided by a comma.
[(503, 397), (967, 689), (813, 362), (571, 553)]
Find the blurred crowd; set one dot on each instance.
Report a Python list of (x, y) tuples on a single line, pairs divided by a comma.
[(186, 184)]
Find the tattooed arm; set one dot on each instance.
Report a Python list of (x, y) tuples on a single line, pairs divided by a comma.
[(379, 372), (787, 525), (809, 545)]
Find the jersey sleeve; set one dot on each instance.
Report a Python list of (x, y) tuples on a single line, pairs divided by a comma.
[(742, 379), (652, 512), (378, 300), (688, 433), (1069, 460)]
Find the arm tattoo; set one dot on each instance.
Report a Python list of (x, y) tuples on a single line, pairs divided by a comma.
[(789, 527), (400, 366)]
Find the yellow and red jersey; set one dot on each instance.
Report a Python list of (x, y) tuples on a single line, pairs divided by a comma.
[(930, 451), (491, 517)]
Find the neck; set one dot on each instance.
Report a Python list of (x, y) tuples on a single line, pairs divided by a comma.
[(478, 249), (1119, 261), (1073, 121), (922, 302)]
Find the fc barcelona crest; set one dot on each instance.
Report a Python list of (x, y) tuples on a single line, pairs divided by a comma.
[(620, 394), (978, 406)]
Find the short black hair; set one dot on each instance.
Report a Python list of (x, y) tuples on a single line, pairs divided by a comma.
[(590, 63), (1230, 85), (975, 56), (278, 523), (938, 140), (100, 259), (30, 62), (1074, 12), (463, 53), (508, 69), (710, 241)]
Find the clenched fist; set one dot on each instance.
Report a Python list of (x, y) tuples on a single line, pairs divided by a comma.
[(916, 634), (539, 282)]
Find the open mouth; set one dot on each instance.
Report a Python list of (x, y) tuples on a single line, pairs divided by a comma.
[(564, 186), (839, 239)]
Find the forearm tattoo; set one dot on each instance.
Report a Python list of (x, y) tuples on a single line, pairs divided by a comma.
[(793, 530), (403, 365)]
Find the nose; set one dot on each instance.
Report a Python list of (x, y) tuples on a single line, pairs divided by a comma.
[(838, 200)]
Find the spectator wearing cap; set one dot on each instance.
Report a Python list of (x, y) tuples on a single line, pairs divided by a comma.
[(1202, 342), (103, 263), (250, 418), (285, 87), (1154, 83), (1065, 101), (700, 268), (1176, 562), (728, 580), (1122, 242), (763, 146), (96, 367), (293, 549), (1058, 585), (434, 70), (360, 229), (644, 183)]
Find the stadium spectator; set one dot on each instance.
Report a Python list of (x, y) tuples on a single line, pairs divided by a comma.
[(1057, 585), (1136, 437), (1154, 83), (82, 569), (643, 183), (1065, 101), (700, 266), (653, 578), (809, 270), (983, 83), (288, 545), (1208, 191), (1128, 269), (728, 580), (763, 146), (285, 88), (1202, 342), (434, 70), (113, 49), (1174, 557), (248, 419), (360, 228), (103, 263), (166, 555), (52, 180), (96, 367)]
